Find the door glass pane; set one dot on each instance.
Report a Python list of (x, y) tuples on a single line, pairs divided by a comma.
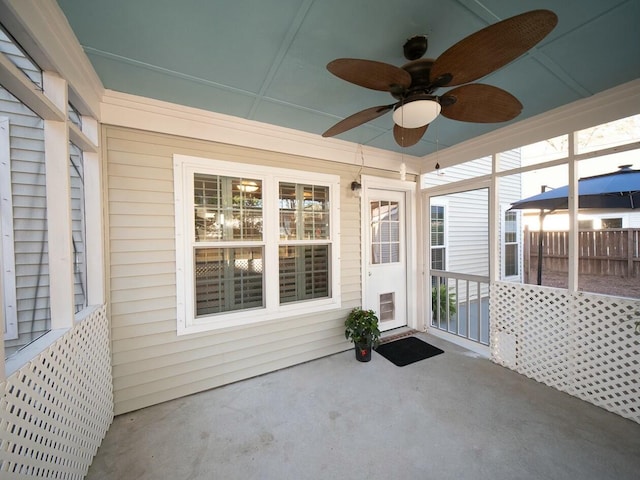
[(385, 231)]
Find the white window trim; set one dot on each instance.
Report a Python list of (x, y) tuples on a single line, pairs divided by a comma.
[(7, 257), (184, 169)]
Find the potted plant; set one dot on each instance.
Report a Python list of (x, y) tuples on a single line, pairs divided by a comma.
[(361, 327), (443, 303)]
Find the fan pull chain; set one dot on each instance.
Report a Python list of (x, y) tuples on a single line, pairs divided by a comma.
[(437, 150)]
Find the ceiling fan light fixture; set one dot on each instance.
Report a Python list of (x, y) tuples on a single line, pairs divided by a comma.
[(416, 113)]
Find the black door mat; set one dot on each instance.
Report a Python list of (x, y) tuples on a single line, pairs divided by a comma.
[(407, 350)]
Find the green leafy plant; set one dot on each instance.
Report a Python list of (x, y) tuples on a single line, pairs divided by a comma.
[(442, 302), (361, 327)]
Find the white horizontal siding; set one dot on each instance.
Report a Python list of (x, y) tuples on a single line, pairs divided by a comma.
[(465, 171), (468, 233), (151, 363)]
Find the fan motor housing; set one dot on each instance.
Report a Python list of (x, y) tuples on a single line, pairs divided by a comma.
[(420, 83)]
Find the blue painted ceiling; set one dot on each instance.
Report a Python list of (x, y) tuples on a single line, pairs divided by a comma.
[(265, 60)]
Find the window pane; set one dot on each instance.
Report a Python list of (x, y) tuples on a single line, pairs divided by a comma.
[(543, 256), (511, 260), (611, 223), (510, 244), (540, 152), (437, 258), (19, 58), (74, 116), (228, 279), (510, 227), (304, 272), (304, 211), (25, 242), (608, 135), (437, 225), (227, 208), (78, 227), (609, 240)]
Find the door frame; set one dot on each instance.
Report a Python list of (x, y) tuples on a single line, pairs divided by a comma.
[(493, 253), (413, 264)]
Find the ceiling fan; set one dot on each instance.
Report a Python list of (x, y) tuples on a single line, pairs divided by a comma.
[(413, 85)]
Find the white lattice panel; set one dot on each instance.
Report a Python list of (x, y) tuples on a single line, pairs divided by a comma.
[(579, 343), (607, 359), (55, 411)]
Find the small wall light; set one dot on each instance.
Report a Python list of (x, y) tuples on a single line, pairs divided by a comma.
[(356, 187)]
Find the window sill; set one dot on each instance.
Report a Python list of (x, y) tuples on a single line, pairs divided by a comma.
[(251, 318)]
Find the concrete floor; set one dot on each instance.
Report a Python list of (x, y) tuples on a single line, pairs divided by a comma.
[(453, 416)]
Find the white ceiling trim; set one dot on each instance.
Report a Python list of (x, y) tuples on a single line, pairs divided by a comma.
[(144, 113)]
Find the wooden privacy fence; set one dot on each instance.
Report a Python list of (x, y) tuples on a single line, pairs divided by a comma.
[(601, 252)]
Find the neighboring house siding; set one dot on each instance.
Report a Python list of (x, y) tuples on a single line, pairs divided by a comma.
[(468, 234), (26, 132), (151, 364)]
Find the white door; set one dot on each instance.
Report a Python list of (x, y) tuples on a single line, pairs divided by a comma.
[(386, 259)]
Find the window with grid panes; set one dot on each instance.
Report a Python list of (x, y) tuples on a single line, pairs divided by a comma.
[(438, 248), (229, 248), (254, 242), (511, 245), (304, 251)]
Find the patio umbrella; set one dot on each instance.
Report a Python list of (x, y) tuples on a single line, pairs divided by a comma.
[(618, 190), (615, 190)]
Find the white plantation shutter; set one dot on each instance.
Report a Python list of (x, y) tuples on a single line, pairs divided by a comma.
[(304, 272)]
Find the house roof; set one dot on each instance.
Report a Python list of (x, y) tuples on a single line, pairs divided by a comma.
[(265, 60)]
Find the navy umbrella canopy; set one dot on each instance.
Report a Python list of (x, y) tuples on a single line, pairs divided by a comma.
[(615, 190)]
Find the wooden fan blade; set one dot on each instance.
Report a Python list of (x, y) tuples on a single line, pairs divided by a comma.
[(493, 47), (480, 103), (357, 119), (407, 137), (370, 74)]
